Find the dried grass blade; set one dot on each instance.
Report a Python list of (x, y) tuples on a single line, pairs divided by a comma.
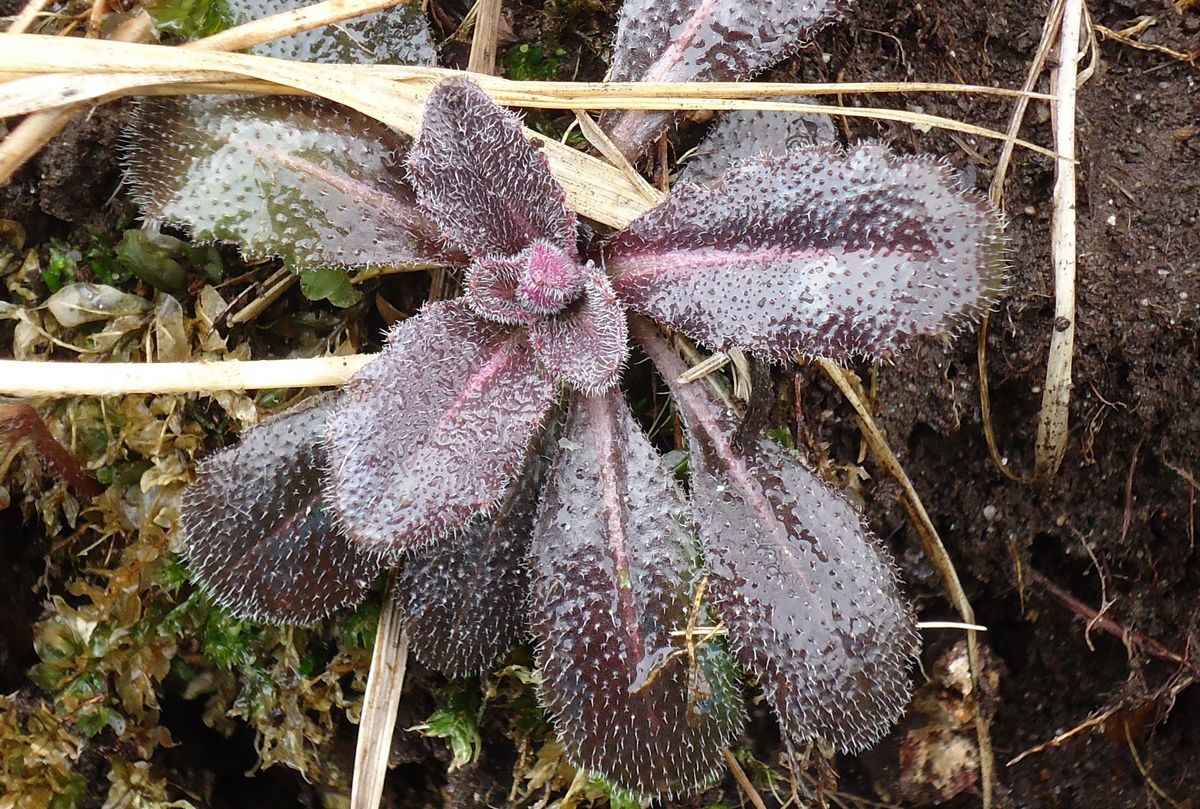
[(382, 698), (58, 379), (288, 23)]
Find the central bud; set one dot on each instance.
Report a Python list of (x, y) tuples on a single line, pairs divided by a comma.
[(550, 279)]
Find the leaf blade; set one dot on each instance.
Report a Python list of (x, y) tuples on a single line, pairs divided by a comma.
[(701, 40), (434, 429), (614, 574), (465, 598), (313, 183), (816, 253), (255, 531), (481, 181), (810, 598)]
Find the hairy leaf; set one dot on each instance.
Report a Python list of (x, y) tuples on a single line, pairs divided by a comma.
[(434, 430), (744, 134), (587, 344), (465, 597), (614, 575), (701, 40), (255, 530), (811, 600), (817, 252), (398, 35), (492, 291), (298, 178), (481, 181)]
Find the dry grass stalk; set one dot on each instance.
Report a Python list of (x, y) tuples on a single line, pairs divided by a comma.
[(483, 40), (28, 137), (28, 14), (39, 127), (996, 195), (378, 721), (287, 23), (1051, 445), (59, 379)]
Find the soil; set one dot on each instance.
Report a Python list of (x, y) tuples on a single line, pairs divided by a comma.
[(1112, 533)]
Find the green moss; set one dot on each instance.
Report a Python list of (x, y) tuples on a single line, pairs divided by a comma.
[(457, 722)]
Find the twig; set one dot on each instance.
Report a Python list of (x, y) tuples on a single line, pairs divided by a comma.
[(1132, 637), (1090, 722), (483, 38), (1051, 444), (28, 14), (1145, 771), (58, 379), (1126, 37), (378, 720), (935, 551), (743, 780)]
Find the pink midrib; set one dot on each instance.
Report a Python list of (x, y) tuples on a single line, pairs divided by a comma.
[(602, 417), (702, 417)]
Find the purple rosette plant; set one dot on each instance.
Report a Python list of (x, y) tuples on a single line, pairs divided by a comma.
[(449, 454)]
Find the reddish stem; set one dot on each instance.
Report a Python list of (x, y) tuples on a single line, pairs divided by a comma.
[(20, 422)]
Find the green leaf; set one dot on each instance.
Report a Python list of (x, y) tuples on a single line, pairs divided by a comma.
[(190, 18), (60, 268), (149, 257), (325, 283), (458, 724)]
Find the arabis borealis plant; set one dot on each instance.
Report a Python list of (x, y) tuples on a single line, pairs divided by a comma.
[(489, 450)]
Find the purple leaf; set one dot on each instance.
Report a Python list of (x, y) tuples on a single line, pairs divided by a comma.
[(744, 134), (465, 597), (614, 575), (811, 600), (817, 253), (587, 344), (302, 179), (701, 40), (434, 430), (481, 181), (256, 533), (492, 291), (551, 279)]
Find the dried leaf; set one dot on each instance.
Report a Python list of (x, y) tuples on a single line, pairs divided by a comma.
[(614, 574), (817, 252), (435, 429), (298, 178), (701, 40), (481, 181), (77, 304), (810, 598), (257, 534)]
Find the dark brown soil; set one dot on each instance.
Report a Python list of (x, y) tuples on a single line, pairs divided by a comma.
[(1115, 529)]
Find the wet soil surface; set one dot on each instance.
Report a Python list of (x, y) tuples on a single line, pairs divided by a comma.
[(1088, 585)]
